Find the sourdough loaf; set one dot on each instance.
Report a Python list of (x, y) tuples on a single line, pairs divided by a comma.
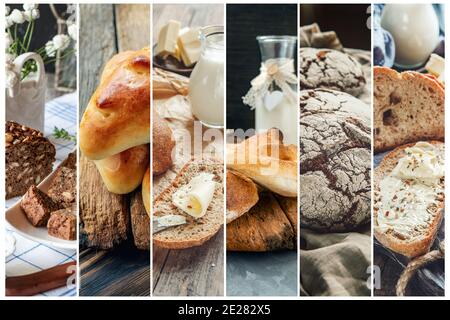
[(196, 231), (330, 69), (410, 233), (29, 158), (335, 161), (408, 107)]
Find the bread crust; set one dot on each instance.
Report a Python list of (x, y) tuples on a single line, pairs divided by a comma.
[(122, 173), (146, 190), (162, 145), (264, 228), (400, 116), (242, 195), (117, 117), (419, 246), (276, 172)]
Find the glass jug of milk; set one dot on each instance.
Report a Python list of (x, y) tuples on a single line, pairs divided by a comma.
[(276, 110), (206, 84)]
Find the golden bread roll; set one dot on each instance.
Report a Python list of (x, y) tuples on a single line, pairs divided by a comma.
[(146, 190), (123, 172), (117, 117), (267, 161)]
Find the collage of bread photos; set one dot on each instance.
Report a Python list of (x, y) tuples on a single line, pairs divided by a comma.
[(272, 151)]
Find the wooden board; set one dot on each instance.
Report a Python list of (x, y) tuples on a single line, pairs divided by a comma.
[(124, 270), (196, 271)]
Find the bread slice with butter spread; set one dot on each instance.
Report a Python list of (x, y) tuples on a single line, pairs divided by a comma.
[(409, 197), (197, 230)]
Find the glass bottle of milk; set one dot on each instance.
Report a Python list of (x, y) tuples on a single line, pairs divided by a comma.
[(206, 84), (275, 109)]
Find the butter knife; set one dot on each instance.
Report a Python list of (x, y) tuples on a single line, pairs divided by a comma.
[(165, 222)]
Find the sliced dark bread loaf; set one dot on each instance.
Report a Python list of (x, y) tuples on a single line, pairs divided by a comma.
[(29, 158), (416, 237), (408, 107), (196, 231)]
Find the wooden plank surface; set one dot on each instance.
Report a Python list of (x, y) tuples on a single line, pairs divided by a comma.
[(105, 30), (197, 271)]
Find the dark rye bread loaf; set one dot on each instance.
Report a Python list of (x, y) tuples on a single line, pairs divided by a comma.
[(29, 158), (37, 206), (335, 161), (196, 231), (63, 189), (330, 69)]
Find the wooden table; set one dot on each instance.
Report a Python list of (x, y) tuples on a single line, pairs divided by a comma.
[(104, 31), (197, 271)]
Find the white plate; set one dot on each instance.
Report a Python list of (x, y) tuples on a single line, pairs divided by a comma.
[(16, 219)]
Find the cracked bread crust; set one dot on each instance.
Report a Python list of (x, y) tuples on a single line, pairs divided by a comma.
[(330, 69), (335, 161)]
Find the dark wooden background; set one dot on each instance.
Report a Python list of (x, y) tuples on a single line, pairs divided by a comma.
[(244, 23), (349, 21)]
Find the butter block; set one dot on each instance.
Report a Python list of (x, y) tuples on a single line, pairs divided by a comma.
[(436, 66), (189, 45), (167, 39)]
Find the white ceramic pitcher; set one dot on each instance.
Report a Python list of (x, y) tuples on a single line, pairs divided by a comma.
[(25, 102)]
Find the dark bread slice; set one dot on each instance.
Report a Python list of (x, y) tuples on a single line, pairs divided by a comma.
[(63, 224), (408, 107), (29, 158), (420, 240), (71, 161), (264, 228), (37, 206), (63, 189), (196, 231)]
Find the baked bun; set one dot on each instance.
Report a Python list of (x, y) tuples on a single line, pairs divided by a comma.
[(117, 117), (162, 144), (146, 190), (123, 172), (267, 161)]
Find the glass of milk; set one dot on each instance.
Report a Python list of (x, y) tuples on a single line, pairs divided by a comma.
[(274, 109), (206, 84)]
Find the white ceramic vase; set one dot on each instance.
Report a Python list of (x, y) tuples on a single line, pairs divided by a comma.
[(25, 102)]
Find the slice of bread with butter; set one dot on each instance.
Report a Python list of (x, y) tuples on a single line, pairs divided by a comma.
[(409, 197), (197, 194)]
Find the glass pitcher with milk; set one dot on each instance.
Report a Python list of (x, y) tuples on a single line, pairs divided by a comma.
[(278, 107), (206, 84)]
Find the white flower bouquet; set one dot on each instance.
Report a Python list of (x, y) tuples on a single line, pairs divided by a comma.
[(20, 26)]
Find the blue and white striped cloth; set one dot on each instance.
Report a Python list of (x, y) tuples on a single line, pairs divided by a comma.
[(30, 256)]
